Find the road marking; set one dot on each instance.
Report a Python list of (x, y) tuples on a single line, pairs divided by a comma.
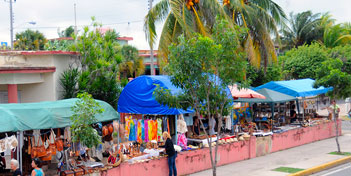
[(333, 172)]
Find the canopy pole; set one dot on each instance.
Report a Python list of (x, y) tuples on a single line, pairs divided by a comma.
[(272, 109), (303, 106), (176, 131)]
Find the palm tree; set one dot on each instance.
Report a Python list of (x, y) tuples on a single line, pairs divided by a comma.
[(198, 16), (180, 17), (304, 28), (337, 35), (261, 17), (30, 40), (132, 65)]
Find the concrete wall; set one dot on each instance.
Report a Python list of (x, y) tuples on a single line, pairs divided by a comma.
[(62, 63), (39, 91), (35, 87), (194, 161)]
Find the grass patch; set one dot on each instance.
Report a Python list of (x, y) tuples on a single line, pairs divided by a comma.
[(288, 169), (342, 153)]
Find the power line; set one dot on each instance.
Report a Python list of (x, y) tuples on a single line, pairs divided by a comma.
[(106, 24)]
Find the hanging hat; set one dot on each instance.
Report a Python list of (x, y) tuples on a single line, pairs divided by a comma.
[(59, 155)]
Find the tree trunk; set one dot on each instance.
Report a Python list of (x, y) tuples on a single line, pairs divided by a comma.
[(337, 130)]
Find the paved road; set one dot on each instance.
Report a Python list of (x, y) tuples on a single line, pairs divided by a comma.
[(342, 170)]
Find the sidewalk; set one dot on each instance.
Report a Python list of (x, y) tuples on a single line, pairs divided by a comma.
[(302, 157)]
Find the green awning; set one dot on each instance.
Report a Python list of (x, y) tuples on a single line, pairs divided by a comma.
[(271, 97), (45, 115)]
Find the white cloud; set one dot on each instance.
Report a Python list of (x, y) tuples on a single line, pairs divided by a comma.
[(51, 14)]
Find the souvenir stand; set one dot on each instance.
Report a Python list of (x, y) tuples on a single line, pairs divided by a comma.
[(144, 119), (43, 132), (267, 113), (301, 88)]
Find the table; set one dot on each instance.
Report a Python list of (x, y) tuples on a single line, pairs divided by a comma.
[(203, 141)]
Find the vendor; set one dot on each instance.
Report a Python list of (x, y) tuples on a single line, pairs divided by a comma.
[(293, 116), (196, 126)]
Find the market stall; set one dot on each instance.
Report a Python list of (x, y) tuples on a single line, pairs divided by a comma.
[(42, 130), (266, 114), (301, 88), (144, 119)]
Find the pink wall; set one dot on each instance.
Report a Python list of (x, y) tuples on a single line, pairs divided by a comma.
[(300, 136), (194, 161)]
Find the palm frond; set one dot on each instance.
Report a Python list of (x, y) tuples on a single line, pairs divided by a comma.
[(156, 14)]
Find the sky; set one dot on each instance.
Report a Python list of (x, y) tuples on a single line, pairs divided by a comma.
[(125, 16)]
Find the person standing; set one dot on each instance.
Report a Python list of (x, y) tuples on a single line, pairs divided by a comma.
[(196, 126), (172, 155), (334, 108), (37, 171), (15, 168), (293, 116)]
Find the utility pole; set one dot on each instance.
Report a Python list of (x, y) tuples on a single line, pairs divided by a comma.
[(75, 20), (152, 68), (11, 24)]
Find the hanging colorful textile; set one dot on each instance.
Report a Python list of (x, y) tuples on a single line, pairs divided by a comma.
[(136, 129), (146, 130), (154, 130), (142, 130), (127, 127), (132, 136), (139, 139), (150, 126), (159, 129), (182, 141)]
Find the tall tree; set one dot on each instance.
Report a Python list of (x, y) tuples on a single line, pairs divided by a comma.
[(302, 62), (337, 35), (258, 43), (132, 64), (330, 74), (30, 40), (303, 28), (198, 16), (100, 58), (68, 32), (205, 78)]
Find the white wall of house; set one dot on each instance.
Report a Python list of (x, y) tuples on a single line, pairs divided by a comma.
[(35, 87)]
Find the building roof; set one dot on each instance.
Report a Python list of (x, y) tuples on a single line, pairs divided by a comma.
[(28, 53), (26, 69)]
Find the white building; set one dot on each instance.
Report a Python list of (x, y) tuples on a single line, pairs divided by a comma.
[(32, 76)]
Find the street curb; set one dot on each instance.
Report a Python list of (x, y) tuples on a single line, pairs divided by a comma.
[(322, 167)]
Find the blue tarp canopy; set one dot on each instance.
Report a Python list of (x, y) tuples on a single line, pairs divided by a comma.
[(295, 88), (45, 115), (137, 96)]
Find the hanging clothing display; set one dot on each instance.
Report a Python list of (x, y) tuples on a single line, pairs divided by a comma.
[(154, 130), (164, 124), (139, 138), (127, 127), (181, 125), (132, 135), (159, 129), (182, 140), (142, 130), (146, 126), (228, 122), (212, 124)]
